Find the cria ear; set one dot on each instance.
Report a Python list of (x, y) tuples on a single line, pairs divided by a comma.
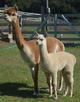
[(36, 34), (16, 7), (46, 34)]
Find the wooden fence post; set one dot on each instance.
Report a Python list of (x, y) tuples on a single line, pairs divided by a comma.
[(55, 24), (10, 36)]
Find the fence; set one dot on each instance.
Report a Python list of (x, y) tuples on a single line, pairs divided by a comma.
[(66, 27)]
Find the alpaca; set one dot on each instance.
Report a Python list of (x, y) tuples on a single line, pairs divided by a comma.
[(28, 48), (54, 62)]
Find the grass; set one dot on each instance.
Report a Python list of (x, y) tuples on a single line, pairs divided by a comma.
[(16, 83)]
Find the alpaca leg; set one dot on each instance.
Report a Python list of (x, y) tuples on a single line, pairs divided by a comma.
[(48, 80), (66, 91), (55, 85), (71, 85), (69, 82), (71, 89), (61, 82), (35, 78), (50, 86), (64, 73)]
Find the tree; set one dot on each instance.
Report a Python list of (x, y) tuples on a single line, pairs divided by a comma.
[(57, 6), (2, 3)]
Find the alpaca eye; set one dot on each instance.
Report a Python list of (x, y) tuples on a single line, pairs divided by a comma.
[(41, 39), (13, 14)]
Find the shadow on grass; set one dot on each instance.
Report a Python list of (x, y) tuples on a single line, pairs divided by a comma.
[(17, 89)]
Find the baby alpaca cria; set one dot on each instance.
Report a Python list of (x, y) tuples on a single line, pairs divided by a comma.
[(54, 62)]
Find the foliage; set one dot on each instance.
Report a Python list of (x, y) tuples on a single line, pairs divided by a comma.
[(57, 6)]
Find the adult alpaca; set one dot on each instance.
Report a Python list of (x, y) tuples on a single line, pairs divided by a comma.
[(28, 49), (54, 62)]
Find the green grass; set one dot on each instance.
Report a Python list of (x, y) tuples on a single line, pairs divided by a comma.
[(16, 83)]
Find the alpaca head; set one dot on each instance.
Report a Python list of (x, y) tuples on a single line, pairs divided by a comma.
[(10, 14), (41, 39)]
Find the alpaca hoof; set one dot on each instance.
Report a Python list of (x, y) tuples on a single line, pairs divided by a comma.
[(50, 96), (64, 95), (59, 89), (47, 89), (55, 98), (36, 93), (70, 96)]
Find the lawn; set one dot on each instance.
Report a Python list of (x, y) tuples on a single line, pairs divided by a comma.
[(15, 78)]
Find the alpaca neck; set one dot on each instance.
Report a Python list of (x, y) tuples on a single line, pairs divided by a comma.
[(17, 33), (26, 51), (43, 51)]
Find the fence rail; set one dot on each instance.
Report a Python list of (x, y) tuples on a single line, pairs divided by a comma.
[(55, 24)]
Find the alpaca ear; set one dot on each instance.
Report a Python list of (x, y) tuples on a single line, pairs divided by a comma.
[(36, 33), (16, 7), (46, 34)]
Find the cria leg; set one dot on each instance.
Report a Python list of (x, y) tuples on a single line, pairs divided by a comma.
[(61, 82), (50, 83), (68, 77), (71, 81), (50, 86), (55, 85), (66, 91), (65, 75), (48, 80)]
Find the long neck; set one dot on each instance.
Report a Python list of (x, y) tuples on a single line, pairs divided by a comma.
[(43, 51), (17, 33)]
